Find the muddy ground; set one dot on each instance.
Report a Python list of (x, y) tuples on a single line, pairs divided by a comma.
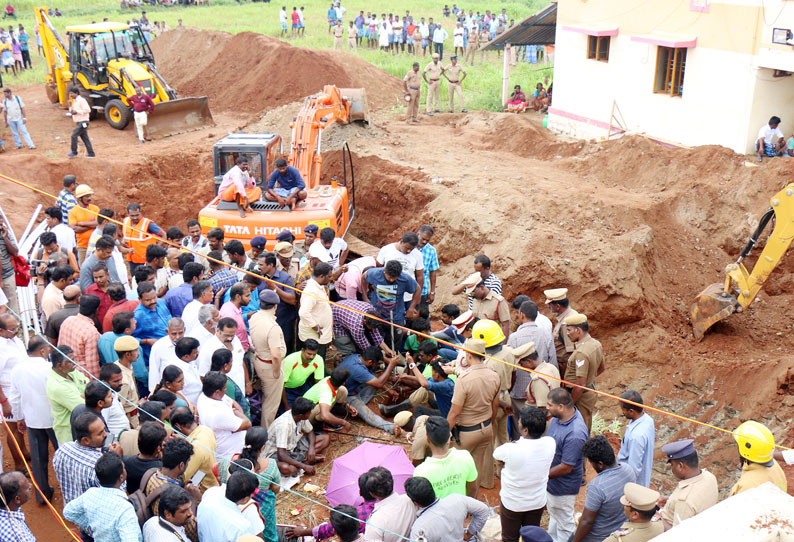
[(634, 229)]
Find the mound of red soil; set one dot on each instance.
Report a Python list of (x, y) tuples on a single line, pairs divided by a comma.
[(251, 72)]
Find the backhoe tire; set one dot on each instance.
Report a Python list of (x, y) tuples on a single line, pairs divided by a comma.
[(117, 114)]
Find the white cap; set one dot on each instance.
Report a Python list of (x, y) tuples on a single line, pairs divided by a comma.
[(317, 250)]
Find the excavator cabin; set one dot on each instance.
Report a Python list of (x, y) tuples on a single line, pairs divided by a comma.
[(329, 205)]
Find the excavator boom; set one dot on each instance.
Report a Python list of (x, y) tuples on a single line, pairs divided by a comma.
[(718, 301)]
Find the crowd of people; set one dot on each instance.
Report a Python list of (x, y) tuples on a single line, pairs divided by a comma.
[(180, 376)]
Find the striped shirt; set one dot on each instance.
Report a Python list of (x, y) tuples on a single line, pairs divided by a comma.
[(493, 283), (430, 257), (74, 467), (225, 278), (66, 200)]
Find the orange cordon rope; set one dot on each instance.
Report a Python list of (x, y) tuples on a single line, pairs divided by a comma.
[(33, 479), (446, 343)]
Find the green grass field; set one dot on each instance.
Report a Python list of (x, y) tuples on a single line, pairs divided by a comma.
[(482, 87)]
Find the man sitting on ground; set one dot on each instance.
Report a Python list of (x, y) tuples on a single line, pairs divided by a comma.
[(327, 394), (362, 385), (770, 141), (291, 187), (292, 442)]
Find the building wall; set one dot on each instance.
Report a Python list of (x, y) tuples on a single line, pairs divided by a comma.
[(727, 93)]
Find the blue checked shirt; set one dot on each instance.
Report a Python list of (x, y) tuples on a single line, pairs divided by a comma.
[(106, 513), (74, 467), (225, 278), (13, 527), (431, 264), (66, 201)]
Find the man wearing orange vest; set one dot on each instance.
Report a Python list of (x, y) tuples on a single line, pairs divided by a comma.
[(83, 219), (134, 227)]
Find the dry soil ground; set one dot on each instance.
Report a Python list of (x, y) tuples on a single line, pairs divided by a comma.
[(634, 229)]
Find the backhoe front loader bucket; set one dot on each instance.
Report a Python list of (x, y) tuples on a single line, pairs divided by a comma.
[(712, 305), (180, 115), (359, 108)]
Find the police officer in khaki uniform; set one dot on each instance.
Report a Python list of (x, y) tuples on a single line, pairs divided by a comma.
[(414, 427), (286, 261), (586, 362), (491, 333), (540, 384), (697, 488), (559, 306), (455, 74), (486, 304), (269, 347), (432, 76), (475, 403), (339, 34), (640, 507), (412, 82), (352, 34)]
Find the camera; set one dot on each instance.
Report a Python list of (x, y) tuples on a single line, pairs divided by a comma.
[(35, 264)]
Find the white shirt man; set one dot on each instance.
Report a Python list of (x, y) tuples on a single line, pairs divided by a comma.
[(205, 358), (338, 246), (190, 314), (424, 30), (220, 519), (440, 35), (12, 353), (13, 107), (28, 392), (340, 11), (219, 416), (153, 531), (398, 512), (115, 417), (411, 262), (282, 16), (162, 354), (65, 236), (192, 386)]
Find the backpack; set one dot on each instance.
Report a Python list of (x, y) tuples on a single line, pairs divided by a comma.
[(142, 503)]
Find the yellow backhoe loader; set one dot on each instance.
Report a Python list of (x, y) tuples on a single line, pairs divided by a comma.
[(107, 62), (720, 300)]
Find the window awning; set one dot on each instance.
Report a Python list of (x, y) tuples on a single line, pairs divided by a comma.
[(595, 29), (667, 40)]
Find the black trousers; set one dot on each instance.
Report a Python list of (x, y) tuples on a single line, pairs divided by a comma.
[(439, 50), (81, 131), (40, 457), (26, 63)]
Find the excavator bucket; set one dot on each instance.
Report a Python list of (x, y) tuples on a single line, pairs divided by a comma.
[(712, 305), (180, 115), (359, 108)]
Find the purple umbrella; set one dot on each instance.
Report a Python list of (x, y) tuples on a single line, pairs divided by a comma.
[(343, 483)]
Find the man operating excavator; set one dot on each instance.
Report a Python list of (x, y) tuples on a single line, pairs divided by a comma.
[(238, 185)]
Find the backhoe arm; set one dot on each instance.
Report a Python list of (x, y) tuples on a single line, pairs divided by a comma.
[(56, 54)]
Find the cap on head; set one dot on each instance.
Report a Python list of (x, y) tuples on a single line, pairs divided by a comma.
[(678, 449), (435, 55), (402, 418), (311, 228), (126, 343), (284, 249), (475, 345), (269, 296), (524, 350), (259, 242), (576, 319), (639, 497), (557, 294), (471, 282), (532, 533), (7, 91), (488, 331), (285, 235), (453, 57), (83, 190), (463, 320)]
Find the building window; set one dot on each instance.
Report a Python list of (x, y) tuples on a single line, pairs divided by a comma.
[(670, 65), (598, 48)]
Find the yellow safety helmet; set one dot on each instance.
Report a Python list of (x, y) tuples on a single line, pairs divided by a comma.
[(488, 331), (756, 442)]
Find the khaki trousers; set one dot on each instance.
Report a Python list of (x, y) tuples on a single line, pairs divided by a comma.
[(420, 396), (432, 95), (10, 289), (271, 390), (341, 397), (413, 105), (338, 43), (351, 44), (480, 445), (454, 88), (81, 255), (586, 405)]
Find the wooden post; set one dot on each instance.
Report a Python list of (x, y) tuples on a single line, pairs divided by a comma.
[(506, 74)]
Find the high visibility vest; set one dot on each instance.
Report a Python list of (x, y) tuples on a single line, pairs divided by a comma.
[(138, 240)]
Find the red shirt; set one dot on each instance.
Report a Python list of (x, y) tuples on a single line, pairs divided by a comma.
[(124, 305), (104, 301), (141, 103), (295, 17)]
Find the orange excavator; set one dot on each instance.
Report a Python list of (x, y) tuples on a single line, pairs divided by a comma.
[(330, 205)]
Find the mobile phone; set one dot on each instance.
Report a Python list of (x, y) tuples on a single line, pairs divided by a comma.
[(197, 478)]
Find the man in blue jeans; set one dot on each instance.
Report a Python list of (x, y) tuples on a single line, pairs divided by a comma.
[(14, 112), (362, 385)]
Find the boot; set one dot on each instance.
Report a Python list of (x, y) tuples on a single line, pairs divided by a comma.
[(389, 411)]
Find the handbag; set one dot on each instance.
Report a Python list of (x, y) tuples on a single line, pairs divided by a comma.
[(21, 270)]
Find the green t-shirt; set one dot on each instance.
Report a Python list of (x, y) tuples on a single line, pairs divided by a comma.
[(322, 393), (412, 343), (450, 474), (295, 374)]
